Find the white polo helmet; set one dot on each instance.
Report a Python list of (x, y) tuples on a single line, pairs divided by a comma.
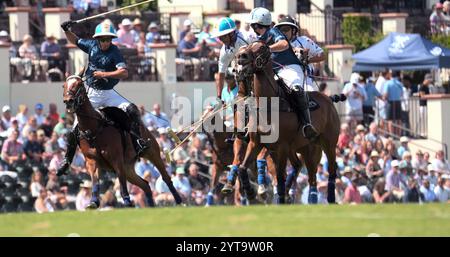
[(260, 16), (105, 29)]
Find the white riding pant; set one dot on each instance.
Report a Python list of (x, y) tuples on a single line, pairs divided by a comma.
[(292, 75), (105, 98)]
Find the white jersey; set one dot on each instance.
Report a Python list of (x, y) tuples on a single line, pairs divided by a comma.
[(314, 50), (227, 54)]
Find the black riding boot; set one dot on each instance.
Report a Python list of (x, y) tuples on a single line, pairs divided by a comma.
[(301, 101), (72, 141), (140, 145)]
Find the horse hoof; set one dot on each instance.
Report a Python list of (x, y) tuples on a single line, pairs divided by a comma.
[(227, 189), (92, 206), (262, 190)]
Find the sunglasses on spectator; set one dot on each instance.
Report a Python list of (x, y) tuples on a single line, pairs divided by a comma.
[(104, 39)]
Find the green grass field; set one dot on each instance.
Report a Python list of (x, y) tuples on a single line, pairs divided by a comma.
[(299, 220)]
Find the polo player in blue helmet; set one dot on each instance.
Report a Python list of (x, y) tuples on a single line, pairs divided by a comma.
[(106, 67), (232, 41), (286, 65)]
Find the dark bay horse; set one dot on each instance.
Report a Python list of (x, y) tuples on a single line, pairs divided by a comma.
[(256, 64), (108, 146)]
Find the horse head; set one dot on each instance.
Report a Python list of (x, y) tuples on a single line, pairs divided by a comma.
[(254, 57), (74, 92)]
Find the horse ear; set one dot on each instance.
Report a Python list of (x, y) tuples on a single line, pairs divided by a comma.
[(82, 71)]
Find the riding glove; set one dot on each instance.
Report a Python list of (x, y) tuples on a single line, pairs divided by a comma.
[(67, 25)]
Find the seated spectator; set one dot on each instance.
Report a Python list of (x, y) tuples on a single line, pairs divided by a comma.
[(164, 197), (321, 174), (145, 166), (352, 195), (180, 155), (346, 177), (432, 178), (344, 136), (22, 116), (163, 140), (126, 35), (393, 182), (403, 146), (157, 119), (440, 164), (61, 127), (51, 51), (33, 149), (39, 114), (30, 58), (441, 191), (108, 200), (427, 191), (142, 47), (52, 182), (407, 159), (379, 146), (56, 160), (43, 202), (373, 169), (181, 184), (51, 146), (12, 150), (413, 195), (30, 126), (213, 44), (47, 126), (79, 163), (37, 183), (196, 150), (189, 51), (187, 24), (5, 121), (380, 195), (84, 196), (198, 184), (53, 114), (419, 162)]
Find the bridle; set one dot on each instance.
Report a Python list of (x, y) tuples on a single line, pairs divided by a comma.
[(78, 96)]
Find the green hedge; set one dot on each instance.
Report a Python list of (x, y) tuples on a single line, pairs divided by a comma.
[(357, 31), (441, 39)]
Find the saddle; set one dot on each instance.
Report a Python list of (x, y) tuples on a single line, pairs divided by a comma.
[(289, 103), (116, 117)]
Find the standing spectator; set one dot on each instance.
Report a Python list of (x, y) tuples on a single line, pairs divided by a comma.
[(12, 150), (43, 202), (440, 164), (137, 27), (393, 91), (407, 92), (181, 183), (352, 194), (153, 36), (381, 110), (437, 20), (355, 96), (187, 24), (393, 182), (126, 34), (427, 191), (39, 113), (369, 104), (158, 119), (51, 51), (424, 90), (84, 196), (441, 191)]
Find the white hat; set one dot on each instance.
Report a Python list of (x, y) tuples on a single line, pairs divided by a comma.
[(404, 139), (187, 22), (374, 153), (126, 22), (394, 163), (153, 25), (86, 184), (360, 128), (354, 78), (6, 108), (4, 33)]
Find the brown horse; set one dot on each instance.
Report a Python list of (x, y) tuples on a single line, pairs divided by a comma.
[(107, 145), (256, 65)]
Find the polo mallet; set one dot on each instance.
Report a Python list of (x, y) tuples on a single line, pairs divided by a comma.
[(114, 11)]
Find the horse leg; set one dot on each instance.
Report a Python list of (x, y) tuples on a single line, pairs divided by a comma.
[(311, 154), (261, 165), (119, 166), (141, 183), (330, 152), (91, 166), (252, 148), (238, 156), (280, 159), (291, 177), (153, 155)]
